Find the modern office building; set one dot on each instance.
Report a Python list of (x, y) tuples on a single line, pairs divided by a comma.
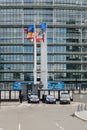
[(66, 40)]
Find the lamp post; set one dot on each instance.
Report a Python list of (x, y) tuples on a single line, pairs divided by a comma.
[(76, 82)]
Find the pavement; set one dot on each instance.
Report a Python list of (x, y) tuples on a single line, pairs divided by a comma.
[(4, 104), (81, 115)]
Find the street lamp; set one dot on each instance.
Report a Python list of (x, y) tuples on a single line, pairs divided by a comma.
[(76, 82)]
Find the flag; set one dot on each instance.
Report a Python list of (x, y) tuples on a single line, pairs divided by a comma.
[(30, 35), (42, 26), (39, 37), (30, 28), (30, 32), (41, 33), (25, 30)]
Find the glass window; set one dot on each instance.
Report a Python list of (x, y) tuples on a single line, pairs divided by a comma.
[(28, 48), (28, 58)]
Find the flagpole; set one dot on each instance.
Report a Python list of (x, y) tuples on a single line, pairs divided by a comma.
[(45, 44), (35, 63), (44, 61), (23, 38)]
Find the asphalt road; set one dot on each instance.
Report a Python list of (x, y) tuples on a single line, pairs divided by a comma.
[(40, 117)]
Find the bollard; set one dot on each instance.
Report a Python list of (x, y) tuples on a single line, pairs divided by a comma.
[(81, 107), (78, 108), (85, 107)]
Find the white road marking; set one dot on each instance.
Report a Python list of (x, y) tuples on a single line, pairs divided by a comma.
[(61, 128), (19, 126), (57, 124)]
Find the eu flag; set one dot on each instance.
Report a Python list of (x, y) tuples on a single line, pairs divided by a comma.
[(43, 26), (30, 28)]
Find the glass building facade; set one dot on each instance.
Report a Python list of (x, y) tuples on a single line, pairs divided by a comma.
[(66, 40)]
